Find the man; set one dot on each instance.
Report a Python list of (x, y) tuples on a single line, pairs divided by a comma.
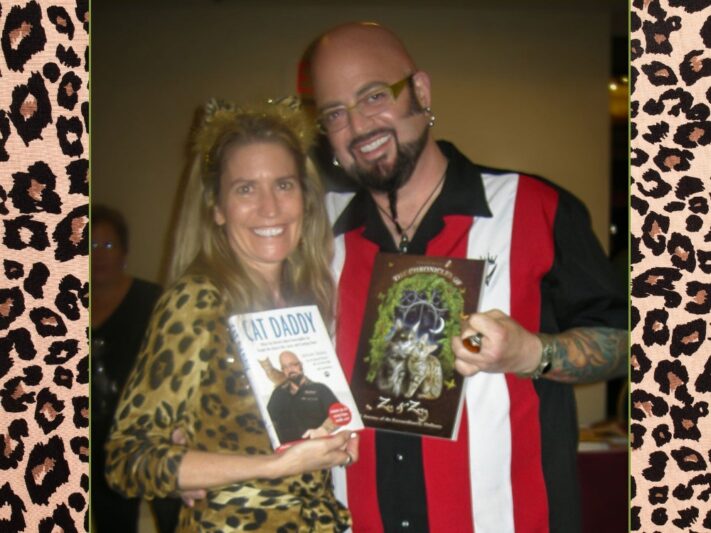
[(513, 464), (299, 407)]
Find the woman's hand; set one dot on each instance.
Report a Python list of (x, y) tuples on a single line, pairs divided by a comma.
[(339, 449), (188, 496), (201, 470)]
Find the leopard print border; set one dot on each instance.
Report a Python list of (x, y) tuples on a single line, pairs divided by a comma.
[(44, 193), (671, 262)]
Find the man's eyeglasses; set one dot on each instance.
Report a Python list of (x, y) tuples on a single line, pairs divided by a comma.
[(373, 102)]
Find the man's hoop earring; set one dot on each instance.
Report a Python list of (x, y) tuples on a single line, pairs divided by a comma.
[(335, 162), (428, 111)]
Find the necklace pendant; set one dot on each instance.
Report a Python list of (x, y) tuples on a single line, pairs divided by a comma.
[(404, 242)]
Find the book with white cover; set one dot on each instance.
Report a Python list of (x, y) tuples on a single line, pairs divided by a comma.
[(294, 373)]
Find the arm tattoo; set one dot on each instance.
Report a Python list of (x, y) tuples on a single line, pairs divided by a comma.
[(585, 355)]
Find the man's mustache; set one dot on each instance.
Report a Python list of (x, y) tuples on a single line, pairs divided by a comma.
[(364, 138)]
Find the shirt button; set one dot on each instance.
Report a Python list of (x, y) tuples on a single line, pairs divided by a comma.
[(400, 458), (405, 523)]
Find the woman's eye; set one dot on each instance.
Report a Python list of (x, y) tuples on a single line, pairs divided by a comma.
[(243, 189), (286, 185)]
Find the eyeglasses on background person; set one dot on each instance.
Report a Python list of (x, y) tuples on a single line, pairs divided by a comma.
[(107, 245)]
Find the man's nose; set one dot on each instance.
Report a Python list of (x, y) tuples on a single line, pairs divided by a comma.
[(357, 122)]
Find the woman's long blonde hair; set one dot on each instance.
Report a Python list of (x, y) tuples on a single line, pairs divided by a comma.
[(201, 247)]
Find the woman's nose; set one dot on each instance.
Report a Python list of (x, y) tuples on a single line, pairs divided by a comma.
[(268, 204)]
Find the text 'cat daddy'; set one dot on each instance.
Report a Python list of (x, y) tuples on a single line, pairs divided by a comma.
[(289, 325)]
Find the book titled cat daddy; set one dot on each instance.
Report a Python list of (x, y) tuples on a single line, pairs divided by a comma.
[(404, 377), (294, 373)]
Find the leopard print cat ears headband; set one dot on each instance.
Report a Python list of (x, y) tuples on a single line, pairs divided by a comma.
[(220, 115)]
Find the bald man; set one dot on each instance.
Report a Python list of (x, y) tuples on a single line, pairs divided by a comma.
[(551, 316), (299, 407)]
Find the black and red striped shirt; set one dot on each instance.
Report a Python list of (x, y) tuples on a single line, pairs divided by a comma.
[(513, 465)]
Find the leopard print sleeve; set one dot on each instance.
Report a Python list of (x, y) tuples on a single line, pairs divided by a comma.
[(162, 391)]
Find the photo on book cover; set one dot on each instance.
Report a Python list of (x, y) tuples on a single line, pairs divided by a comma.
[(293, 370), (404, 378)]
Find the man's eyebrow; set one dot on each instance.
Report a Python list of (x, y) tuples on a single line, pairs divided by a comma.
[(360, 92)]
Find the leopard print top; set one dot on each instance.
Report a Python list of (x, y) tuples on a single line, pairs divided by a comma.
[(188, 375)]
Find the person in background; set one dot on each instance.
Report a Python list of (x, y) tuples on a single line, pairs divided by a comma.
[(120, 308), (253, 235), (550, 313)]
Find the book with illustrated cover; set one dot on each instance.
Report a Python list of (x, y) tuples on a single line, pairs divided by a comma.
[(404, 377), (294, 373)]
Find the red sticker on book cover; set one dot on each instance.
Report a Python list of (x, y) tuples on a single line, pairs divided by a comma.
[(340, 414)]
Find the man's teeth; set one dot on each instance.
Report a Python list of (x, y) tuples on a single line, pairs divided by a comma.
[(268, 232), (375, 144)]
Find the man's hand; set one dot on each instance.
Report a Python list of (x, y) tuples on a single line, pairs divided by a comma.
[(188, 496), (506, 346), (579, 355)]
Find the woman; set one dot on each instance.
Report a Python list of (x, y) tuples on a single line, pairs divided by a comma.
[(120, 309), (253, 235)]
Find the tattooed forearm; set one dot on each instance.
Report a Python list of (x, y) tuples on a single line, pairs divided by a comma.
[(584, 355)]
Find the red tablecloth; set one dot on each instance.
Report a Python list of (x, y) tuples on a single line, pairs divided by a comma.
[(604, 490)]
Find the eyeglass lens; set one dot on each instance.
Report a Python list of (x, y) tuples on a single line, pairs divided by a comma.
[(368, 105)]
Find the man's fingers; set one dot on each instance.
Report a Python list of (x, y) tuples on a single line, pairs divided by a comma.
[(473, 342), (482, 323), (463, 353), (466, 362), (465, 368)]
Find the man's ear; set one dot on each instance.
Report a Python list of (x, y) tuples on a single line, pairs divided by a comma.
[(422, 88)]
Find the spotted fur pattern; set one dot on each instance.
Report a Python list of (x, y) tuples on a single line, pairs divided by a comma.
[(189, 376), (44, 446), (671, 265)]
